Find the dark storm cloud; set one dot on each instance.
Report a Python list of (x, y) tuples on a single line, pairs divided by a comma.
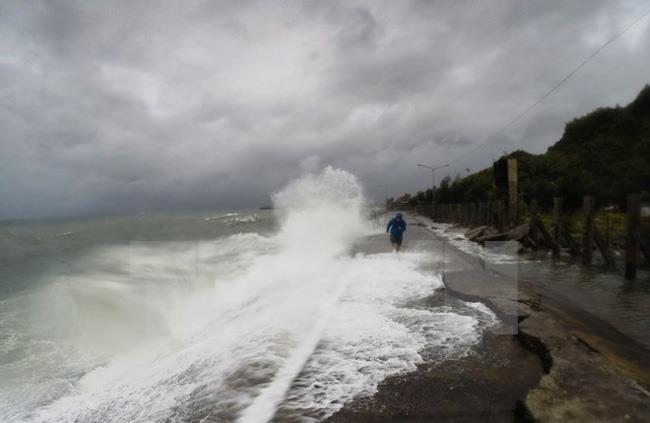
[(126, 106)]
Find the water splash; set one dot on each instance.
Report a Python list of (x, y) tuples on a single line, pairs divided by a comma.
[(242, 326)]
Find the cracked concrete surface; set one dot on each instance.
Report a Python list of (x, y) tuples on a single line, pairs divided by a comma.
[(590, 375)]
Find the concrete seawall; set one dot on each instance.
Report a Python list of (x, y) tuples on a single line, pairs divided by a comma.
[(549, 361), (593, 373)]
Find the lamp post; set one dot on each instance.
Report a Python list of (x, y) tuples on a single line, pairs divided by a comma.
[(433, 190)]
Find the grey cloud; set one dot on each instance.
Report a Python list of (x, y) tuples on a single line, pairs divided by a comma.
[(126, 106)]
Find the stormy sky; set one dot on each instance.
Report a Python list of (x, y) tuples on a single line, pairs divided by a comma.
[(125, 106)]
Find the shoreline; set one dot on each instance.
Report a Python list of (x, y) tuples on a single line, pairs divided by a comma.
[(589, 371), (592, 371), (484, 385)]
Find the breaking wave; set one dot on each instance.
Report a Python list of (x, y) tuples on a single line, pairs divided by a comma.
[(238, 328)]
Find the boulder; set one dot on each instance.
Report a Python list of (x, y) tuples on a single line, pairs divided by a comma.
[(511, 247), (492, 237), (475, 232), (515, 234), (519, 232), (479, 232)]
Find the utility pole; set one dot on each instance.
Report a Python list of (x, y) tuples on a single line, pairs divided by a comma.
[(433, 188)]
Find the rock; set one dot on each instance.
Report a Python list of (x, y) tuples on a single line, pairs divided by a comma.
[(581, 385), (490, 231), (518, 232), (475, 232), (515, 234), (512, 248), (481, 231), (492, 237)]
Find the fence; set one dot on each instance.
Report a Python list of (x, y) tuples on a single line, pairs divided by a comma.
[(580, 233)]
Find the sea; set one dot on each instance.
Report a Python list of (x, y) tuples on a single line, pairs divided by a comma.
[(218, 316)]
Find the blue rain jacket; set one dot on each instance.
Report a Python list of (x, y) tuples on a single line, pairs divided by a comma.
[(396, 226)]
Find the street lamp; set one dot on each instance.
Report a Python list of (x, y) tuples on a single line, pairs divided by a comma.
[(433, 190)]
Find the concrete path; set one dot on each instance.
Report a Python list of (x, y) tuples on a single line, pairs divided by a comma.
[(589, 377), (483, 386)]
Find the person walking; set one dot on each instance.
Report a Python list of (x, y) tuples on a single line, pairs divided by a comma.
[(396, 228)]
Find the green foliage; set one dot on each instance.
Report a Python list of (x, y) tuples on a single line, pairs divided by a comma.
[(605, 153)]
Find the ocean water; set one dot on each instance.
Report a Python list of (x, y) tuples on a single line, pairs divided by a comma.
[(216, 316)]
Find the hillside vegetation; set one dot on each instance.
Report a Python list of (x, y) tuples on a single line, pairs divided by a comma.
[(605, 153)]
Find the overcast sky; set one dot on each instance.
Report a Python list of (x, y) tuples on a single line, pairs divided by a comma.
[(117, 106)]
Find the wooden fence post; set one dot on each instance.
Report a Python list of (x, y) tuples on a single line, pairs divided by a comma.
[(472, 213), (604, 249), (632, 242), (533, 219), (488, 213), (476, 215), (557, 219), (501, 216), (513, 205), (538, 228), (588, 240)]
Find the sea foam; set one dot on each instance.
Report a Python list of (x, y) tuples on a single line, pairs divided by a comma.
[(247, 326)]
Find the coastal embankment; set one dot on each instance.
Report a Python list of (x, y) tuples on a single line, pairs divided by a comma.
[(549, 360)]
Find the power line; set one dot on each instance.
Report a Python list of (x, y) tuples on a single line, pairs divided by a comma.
[(555, 87)]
